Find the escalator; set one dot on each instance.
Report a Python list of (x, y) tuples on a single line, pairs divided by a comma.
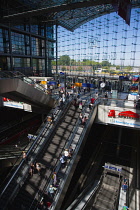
[(53, 140), (106, 194), (22, 89), (47, 158)]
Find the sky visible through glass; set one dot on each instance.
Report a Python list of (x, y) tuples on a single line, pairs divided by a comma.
[(104, 38)]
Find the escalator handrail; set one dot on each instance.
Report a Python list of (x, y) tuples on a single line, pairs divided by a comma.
[(46, 186), (78, 145), (29, 151), (95, 191), (88, 187), (57, 164)]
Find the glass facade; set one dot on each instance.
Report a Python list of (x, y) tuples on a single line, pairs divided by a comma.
[(38, 46), (49, 32), (34, 29), (4, 41), (21, 62), (38, 66), (22, 65), (26, 48), (50, 49), (18, 43), (21, 27)]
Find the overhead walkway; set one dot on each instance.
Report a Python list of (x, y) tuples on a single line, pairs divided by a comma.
[(20, 88), (48, 147)]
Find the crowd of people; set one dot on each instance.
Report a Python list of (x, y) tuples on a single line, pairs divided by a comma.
[(36, 168), (55, 180), (68, 152)]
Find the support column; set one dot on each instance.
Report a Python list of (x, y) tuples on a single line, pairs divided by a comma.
[(10, 46), (119, 141), (138, 165), (137, 199), (56, 50), (46, 51)]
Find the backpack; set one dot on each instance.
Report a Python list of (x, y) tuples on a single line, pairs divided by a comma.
[(124, 208)]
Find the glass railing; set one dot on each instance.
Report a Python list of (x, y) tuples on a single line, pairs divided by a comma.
[(117, 102)]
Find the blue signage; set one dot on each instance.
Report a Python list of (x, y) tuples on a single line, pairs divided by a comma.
[(87, 85), (51, 83), (62, 73), (33, 137), (113, 168), (121, 77)]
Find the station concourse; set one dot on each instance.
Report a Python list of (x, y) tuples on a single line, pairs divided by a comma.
[(89, 107)]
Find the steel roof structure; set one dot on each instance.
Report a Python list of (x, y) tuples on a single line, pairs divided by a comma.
[(70, 14)]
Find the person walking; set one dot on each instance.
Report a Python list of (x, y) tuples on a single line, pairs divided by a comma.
[(96, 95)]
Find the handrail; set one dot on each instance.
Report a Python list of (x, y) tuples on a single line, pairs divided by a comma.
[(23, 161), (76, 149), (95, 191), (87, 188), (57, 164), (19, 75), (30, 150), (117, 200)]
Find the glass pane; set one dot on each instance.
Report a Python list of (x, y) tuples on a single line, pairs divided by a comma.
[(18, 43)]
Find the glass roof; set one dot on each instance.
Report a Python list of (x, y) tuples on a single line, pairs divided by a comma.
[(70, 14), (74, 19)]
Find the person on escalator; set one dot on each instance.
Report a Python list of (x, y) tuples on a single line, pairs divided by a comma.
[(84, 119), (54, 178), (80, 105), (52, 191), (125, 187), (63, 161), (52, 118), (38, 168), (24, 156), (70, 151), (125, 207)]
